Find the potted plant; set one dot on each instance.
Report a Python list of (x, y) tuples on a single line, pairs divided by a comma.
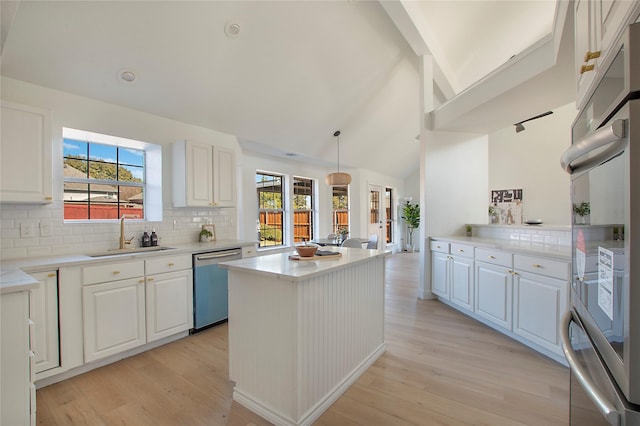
[(493, 214), (205, 236), (469, 228), (411, 215), (581, 210)]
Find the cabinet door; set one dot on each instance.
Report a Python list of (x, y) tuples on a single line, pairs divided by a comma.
[(538, 305), (615, 16), (224, 177), (15, 374), (440, 274), (587, 39), (25, 140), (493, 291), (199, 174), (169, 304), (114, 317), (44, 313), (462, 282)]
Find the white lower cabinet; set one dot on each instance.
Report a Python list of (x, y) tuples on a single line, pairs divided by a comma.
[(17, 391), (452, 274), (44, 313), (493, 288), (541, 288), (523, 296), (114, 317), (538, 305), (153, 300), (440, 274), (169, 304), (462, 273)]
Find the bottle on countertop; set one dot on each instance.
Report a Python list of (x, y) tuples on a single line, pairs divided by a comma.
[(146, 240), (154, 238)]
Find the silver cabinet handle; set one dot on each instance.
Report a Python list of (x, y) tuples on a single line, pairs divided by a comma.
[(605, 407)]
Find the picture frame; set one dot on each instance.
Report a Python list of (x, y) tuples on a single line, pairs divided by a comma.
[(212, 229)]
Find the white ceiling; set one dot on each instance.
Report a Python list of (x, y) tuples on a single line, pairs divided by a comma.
[(297, 71), (469, 39)]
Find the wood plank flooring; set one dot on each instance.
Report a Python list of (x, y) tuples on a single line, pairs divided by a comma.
[(440, 368)]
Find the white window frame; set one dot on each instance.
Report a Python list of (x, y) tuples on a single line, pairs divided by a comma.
[(152, 186)]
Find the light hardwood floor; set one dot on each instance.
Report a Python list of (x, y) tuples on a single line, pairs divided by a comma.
[(440, 368)]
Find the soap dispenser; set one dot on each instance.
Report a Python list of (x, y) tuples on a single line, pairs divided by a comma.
[(146, 241), (154, 238)]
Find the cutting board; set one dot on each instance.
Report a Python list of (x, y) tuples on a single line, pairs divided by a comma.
[(297, 257)]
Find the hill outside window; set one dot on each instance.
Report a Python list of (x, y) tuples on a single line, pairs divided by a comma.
[(103, 180)]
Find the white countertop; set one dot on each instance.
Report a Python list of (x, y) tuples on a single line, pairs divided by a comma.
[(14, 273), (281, 266), (555, 251)]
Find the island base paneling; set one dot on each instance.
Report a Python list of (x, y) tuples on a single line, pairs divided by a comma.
[(296, 345)]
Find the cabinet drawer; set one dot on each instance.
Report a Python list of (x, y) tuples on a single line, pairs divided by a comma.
[(495, 257), (162, 264), (464, 250), (112, 272), (540, 265), (249, 251), (439, 246)]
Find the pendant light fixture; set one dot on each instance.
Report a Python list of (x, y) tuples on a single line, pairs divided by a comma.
[(338, 179)]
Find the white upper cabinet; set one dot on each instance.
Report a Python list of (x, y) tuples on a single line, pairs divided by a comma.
[(224, 182), (203, 175), (598, 24), (587, 46), (25, 155)]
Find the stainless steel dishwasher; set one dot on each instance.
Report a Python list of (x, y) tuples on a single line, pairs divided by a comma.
[(210, 291)]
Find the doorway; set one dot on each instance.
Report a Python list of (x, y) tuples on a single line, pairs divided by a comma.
[(376, 214)]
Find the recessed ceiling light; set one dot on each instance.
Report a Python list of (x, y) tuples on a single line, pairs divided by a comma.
[(232, 29), (126, 76)]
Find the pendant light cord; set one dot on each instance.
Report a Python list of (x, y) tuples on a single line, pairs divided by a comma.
[(337, 135)]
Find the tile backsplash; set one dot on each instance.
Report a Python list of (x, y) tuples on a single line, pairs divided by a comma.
[(34, 231), (556, 235)]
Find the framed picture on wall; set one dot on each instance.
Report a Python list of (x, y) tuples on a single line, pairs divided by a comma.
[(506, 207)]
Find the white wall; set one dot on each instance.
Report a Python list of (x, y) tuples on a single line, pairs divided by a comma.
[(530, 160), (87, 114), (455, 187)]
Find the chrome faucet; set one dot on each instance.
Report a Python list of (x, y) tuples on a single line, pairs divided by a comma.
[(123, 240)]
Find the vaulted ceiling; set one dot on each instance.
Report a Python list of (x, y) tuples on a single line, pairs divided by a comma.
[(295, 71)]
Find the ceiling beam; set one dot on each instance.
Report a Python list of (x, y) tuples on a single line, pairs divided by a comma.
[(408, 21)]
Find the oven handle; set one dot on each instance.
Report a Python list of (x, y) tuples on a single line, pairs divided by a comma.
[(613, 135), (606, 408)]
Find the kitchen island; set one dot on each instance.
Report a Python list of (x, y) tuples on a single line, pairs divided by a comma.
[(302, 331)]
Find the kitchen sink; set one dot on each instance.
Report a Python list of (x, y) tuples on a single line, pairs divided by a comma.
[(129, 251)]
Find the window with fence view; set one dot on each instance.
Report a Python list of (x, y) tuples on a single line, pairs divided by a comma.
[(340, 201), (102, 181), (390, 214), (303, 209), (270, 209)]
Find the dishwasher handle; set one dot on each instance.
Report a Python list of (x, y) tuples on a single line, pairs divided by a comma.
[(217, 255)]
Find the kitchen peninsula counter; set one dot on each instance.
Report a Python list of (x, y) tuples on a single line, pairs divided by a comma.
[(302, 331)]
